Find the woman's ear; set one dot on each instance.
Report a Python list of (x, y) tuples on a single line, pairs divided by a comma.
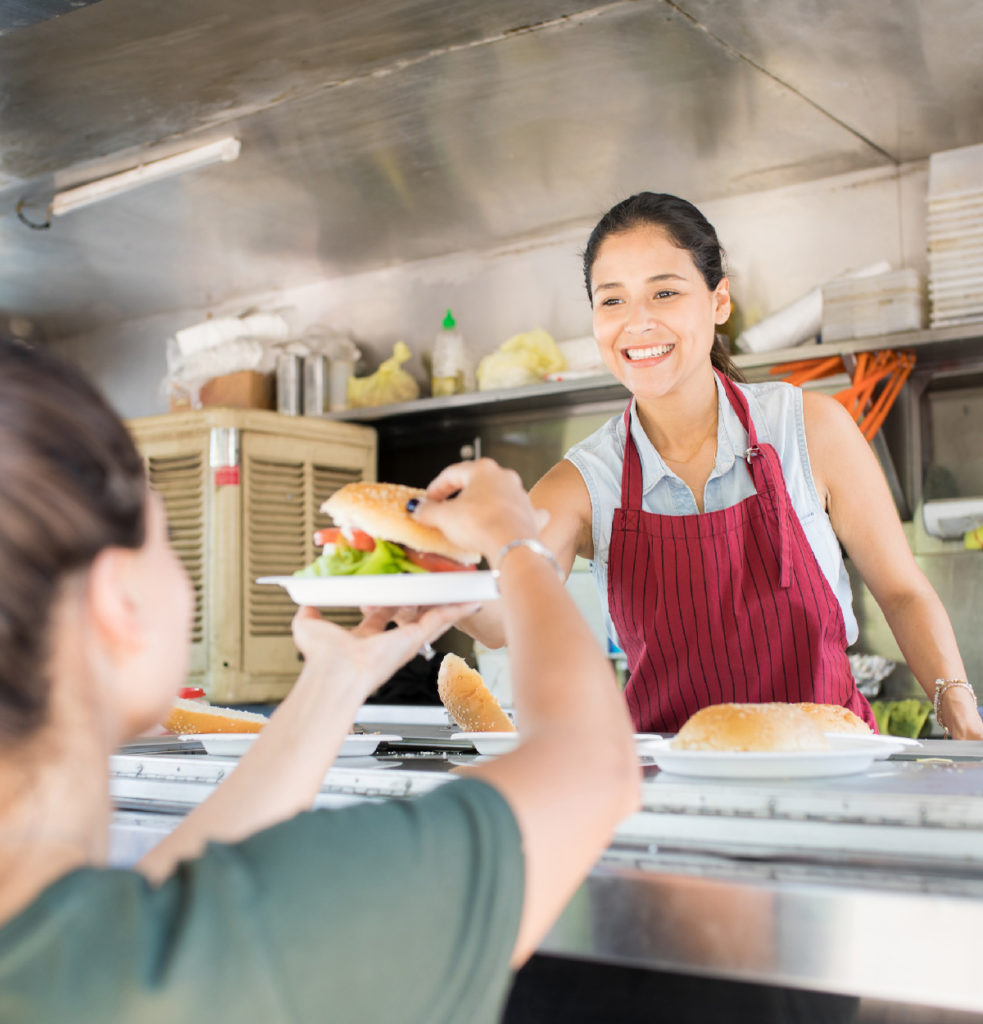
[(721, 299), (114, 602)]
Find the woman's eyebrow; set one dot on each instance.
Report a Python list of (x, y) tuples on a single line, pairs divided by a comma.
[(648, 280)]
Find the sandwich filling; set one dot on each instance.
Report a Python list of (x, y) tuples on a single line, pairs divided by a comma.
[(386, 540)]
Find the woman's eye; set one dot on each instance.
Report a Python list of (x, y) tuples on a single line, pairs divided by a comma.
[(611, 302), (666, 293)]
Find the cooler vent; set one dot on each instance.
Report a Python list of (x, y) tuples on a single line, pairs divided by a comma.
[(325, 481), (282, 514), (276, 541), (180, 481)]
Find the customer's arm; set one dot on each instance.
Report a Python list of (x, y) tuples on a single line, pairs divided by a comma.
[(575, 774), (284, 768)]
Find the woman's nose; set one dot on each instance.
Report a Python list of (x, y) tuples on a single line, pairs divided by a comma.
[(639, 318)]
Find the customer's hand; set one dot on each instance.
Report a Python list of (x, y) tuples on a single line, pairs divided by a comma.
[(480, 506), (366, 656)]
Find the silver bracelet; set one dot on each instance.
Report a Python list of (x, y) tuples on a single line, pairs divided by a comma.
[(941, 685), (534, 545)]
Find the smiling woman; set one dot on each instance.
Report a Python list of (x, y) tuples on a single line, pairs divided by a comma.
[(714, 511)]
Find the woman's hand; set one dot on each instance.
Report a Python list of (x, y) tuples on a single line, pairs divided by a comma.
[(961, 715), (365, 657), (490, 507)]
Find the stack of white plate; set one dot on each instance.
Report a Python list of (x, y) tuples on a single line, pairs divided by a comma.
[(861, 307), (955, 236)]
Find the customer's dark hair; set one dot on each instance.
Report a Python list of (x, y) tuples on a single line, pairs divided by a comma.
[(71, 484), (686, 227)]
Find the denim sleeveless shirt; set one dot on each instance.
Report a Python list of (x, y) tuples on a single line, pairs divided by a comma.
[(776, 410)]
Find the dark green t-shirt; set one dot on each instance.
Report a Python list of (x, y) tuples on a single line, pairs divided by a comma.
[(398, 912)]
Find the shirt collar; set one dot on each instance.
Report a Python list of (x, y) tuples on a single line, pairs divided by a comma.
[(731, 442)]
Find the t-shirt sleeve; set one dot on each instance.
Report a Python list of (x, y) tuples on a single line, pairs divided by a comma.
[(404, 911)]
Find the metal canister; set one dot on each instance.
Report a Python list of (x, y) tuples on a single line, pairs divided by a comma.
[(341, 373), (289, 384), (316, 385)]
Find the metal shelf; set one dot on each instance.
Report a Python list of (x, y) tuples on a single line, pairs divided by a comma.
[(939, 345)]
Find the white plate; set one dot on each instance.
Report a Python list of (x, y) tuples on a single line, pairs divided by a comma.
[(503, 742), (886, 744), (235, 744), (849, 756), (489, 742), (389, 590)]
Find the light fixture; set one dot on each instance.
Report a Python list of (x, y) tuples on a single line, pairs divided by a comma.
[(222, 150)]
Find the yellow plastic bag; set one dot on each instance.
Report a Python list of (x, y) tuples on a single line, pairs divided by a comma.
[(523, 359), (388, 384)]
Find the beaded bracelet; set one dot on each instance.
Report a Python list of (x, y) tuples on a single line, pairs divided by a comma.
[(941, 685), (534, 545)]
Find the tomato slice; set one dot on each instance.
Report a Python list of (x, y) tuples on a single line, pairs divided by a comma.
[(359, 540), (191, 692), (435, 563)]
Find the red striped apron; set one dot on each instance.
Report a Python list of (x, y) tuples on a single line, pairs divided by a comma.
[(723, 606)]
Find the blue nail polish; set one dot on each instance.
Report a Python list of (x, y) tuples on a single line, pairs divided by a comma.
[(412, 504)]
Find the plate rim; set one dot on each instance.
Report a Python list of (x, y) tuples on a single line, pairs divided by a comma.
[(484, 580), (250, 737)]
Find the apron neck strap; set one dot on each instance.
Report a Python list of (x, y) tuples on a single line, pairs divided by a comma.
[(739, 405), (631, 467), (766, 472), (762, 460)]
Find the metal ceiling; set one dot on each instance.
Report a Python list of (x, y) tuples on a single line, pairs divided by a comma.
[(381, 131)]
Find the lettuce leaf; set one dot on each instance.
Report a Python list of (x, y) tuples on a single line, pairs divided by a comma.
[(348, 561)]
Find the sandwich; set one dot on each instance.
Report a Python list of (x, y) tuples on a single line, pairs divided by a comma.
[(375, 533), (758, 727), (468, 700)]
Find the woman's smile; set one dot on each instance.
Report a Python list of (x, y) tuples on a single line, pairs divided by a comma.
[(652, 352)]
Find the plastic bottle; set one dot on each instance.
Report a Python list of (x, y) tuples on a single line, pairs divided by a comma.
[(450, 365)]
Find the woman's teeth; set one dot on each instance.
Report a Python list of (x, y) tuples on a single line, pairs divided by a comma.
[(648, 353)]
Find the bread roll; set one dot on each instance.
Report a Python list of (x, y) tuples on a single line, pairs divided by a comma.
[(380, 510), (470, 703), (193, 716), (760, 727), (834, 718)]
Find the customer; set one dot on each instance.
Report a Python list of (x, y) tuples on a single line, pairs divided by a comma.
[(714, 511), (255, 910)]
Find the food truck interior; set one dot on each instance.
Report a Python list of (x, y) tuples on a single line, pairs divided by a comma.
[(353, 170)]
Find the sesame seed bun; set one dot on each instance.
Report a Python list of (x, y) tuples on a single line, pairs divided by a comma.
[(193, 716), (773, 726), (380, 510), (468, 700), (834, 718)]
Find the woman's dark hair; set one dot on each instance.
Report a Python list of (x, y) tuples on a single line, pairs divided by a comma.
[(71, 484), (687, 229)]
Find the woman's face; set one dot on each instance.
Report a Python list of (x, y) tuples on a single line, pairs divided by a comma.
[(654, 316)]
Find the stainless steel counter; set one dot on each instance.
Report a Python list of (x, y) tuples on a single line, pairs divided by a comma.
[(868, 885)]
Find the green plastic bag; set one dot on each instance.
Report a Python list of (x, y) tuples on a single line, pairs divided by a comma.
[(902, 717)]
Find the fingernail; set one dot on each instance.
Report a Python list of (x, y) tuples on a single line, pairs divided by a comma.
[(412, 504)]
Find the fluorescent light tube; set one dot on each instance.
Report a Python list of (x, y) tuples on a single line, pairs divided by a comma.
[(74, 198)]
